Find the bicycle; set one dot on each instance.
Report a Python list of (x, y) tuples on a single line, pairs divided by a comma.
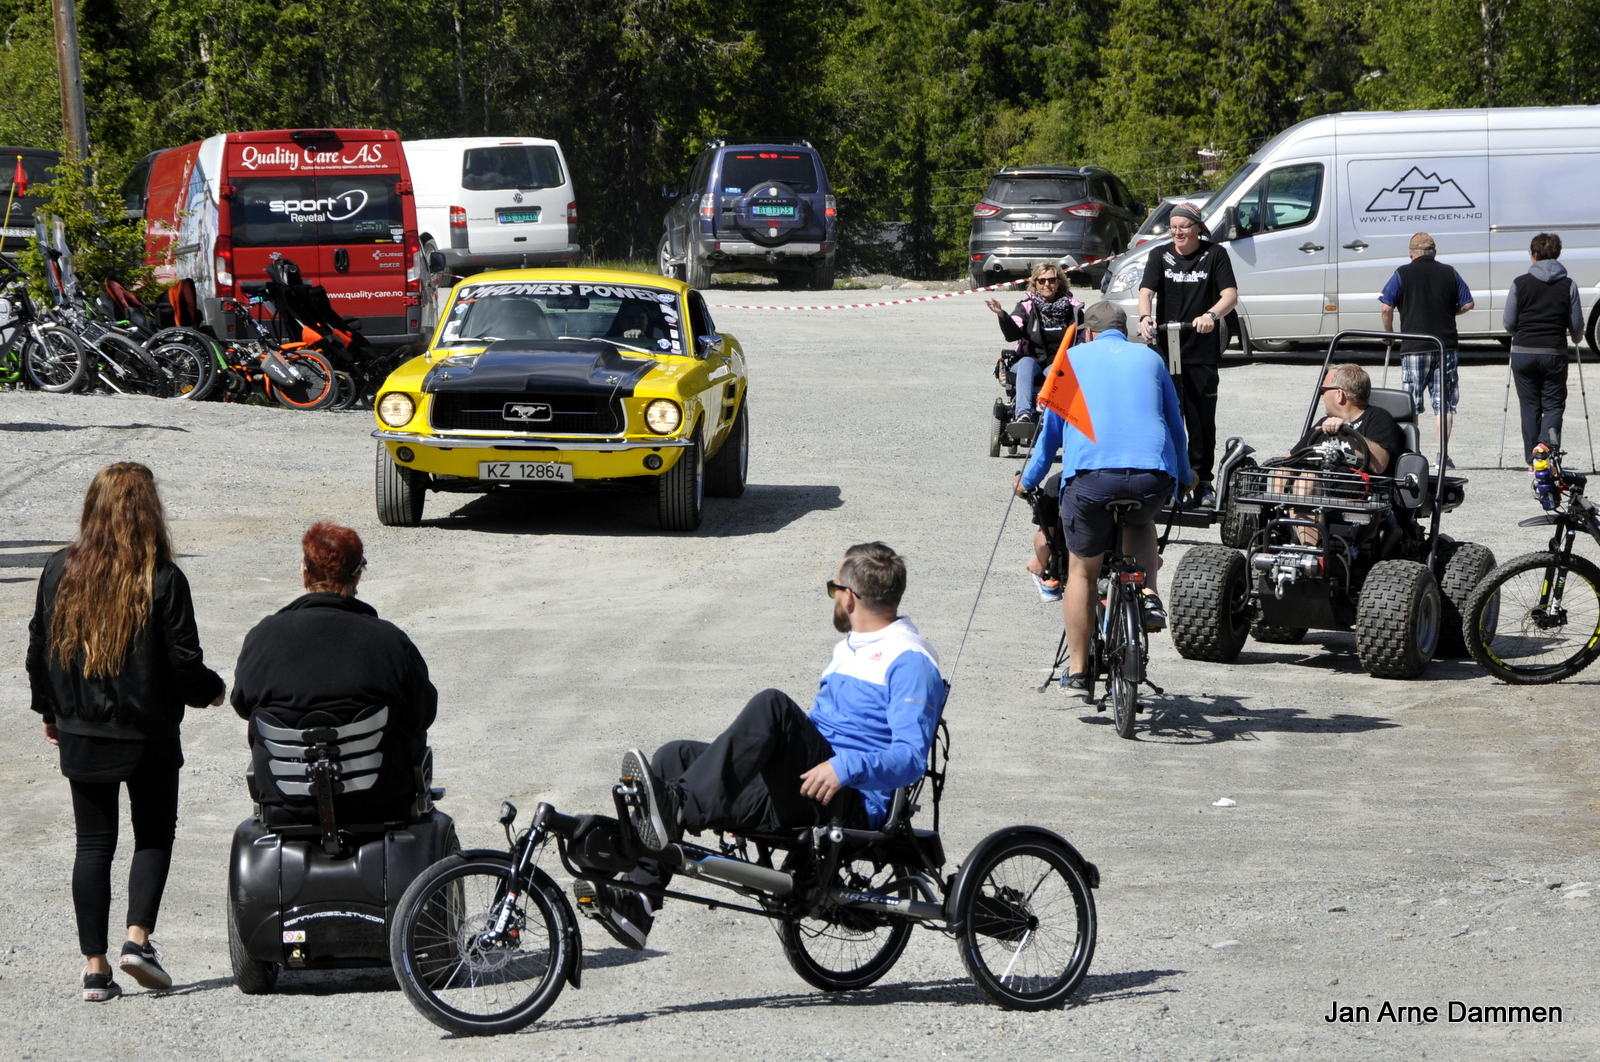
[(41, 353), (1119, 645), (1536, 618)]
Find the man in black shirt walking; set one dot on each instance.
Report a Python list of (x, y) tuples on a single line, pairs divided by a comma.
[(1192, 282), (1430, 296)]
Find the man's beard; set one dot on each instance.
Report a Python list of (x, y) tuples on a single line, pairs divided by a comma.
[(841, 618)]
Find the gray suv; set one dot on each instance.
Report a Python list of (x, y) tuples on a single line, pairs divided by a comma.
[(1044, 213), (758, 207)]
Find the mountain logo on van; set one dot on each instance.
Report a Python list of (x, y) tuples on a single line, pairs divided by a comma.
[(1419, 191)]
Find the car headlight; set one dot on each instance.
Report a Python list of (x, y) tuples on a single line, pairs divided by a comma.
[(663, 416), (396, 409), (1126, 277)]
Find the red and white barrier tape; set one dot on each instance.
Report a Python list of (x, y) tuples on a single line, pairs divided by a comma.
[(868, 305)]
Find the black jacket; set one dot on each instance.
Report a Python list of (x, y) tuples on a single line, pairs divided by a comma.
[(164, 671), (1032, 338), (330, 653)]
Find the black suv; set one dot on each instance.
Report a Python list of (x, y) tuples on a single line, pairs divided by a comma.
[(37, 165), (761, 207), (1044, 213)]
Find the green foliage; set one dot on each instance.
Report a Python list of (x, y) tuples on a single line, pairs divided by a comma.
[(913, 103), (103, 243)]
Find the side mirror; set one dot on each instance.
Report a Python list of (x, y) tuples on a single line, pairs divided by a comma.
[(436, 262), (668, 192), (1411, 480), (1228, 228), (707, 344)]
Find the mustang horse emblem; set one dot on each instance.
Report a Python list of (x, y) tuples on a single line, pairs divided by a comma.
[(526, 411)]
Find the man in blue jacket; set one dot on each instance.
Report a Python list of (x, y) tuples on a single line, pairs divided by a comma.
[(1134, 447), (868, 733)]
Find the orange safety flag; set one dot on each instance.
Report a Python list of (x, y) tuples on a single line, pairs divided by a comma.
[(1061, 394), (19, 180)]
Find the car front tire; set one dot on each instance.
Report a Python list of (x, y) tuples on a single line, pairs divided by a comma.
[(401, 492), (680, 490), (727, 470)]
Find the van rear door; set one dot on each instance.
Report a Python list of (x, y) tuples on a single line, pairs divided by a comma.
[(1399, 180)]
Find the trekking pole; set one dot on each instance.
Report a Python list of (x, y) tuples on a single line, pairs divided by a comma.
[(979, 596), (1577, 350), (1387, 347), (1505, 416)]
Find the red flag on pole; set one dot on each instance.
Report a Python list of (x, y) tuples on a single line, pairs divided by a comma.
[(19, 180), (1061, 393)]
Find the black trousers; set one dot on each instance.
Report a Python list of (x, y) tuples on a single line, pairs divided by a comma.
[(1542, 395), (153, 803), (1197, 395)]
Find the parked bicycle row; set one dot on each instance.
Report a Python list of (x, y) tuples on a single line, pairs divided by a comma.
[(285, 345)]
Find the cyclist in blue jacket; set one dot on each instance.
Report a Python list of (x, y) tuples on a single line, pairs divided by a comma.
[(868, 733), (1133, 447)]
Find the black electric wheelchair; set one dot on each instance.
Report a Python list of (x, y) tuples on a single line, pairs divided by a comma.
[(1007, 432), (485, 940), (306, 891)]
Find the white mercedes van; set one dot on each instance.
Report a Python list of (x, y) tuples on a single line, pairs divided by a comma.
[(1319, 218), (494, 202)]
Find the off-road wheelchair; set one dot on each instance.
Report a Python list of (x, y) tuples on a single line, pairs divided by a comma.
[(485, 940), (1379, 565), (306, 891)]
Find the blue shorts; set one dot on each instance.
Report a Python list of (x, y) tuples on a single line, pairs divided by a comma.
[(1090, 528), (1420, 371)]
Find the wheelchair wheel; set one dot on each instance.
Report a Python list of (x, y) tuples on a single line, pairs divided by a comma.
[(1027, 924), (845, 949), (453, 968), (251, 976)]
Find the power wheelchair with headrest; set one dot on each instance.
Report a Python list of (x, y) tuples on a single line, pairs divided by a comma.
[(305, 889), (485, 940)]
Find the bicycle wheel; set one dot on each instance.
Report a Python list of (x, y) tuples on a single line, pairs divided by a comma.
[(1125, 661), (319, 388), (187, 362), (59, 364), (137, 373), (1027, 924), (459, 973), (843, 948), (1520, 631)]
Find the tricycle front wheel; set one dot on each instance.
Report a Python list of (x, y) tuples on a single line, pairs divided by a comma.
[(1027, 923), (846, 949)]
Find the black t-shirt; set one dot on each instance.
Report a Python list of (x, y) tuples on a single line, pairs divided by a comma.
[(1375, 425), (1186, 286)]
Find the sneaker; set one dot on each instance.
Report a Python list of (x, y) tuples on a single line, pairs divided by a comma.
[(1076, 687), (623, 913), (655, 815), (1049, 589), (1449, 463), (1205, 496), (1155, 613), (142, 965), (100, 988), (1025, 417)]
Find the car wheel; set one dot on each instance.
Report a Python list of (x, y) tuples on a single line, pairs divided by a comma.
[(822, 276), (680, 490), (1210, 604), (664, 264), (728, 469), (696, 269), (401, 492), (974, 280), (1463, 565)]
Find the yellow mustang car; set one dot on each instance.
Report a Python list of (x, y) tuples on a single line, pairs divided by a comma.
[(543, 377)]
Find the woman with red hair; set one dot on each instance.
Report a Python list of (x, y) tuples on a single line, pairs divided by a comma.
[(113, 658), (328, 652)]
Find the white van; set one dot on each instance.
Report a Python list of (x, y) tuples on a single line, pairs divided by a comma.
[(494, 202), (1320, 217)]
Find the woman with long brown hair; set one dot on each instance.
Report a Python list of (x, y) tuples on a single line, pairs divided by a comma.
[(113, 658)]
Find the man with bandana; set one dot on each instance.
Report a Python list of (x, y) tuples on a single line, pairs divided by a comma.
[(777, 766), (1192, 281)]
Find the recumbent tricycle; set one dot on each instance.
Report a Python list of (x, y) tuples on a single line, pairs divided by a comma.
[(485, 940)]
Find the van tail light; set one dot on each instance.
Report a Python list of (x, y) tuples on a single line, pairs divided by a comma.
[(572, 222), (829, 207), (1086, 210), (413, 273), (458, 227), (985, 210), (223, 267), (708, 206)]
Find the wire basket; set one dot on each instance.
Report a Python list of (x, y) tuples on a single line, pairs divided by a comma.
[(1308, 488)]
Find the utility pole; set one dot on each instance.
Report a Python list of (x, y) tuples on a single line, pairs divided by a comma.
[(75, 125)]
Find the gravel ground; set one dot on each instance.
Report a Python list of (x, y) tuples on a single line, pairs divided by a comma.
[(1410, 842)]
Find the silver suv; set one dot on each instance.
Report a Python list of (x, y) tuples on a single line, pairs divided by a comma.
[(1045, 213)]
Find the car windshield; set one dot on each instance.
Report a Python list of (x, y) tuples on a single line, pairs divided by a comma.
[(509, 167), (1037, 189), (1215, 202), (633, 316), (744, 170)]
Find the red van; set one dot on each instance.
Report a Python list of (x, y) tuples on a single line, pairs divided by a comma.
[(337, 202)]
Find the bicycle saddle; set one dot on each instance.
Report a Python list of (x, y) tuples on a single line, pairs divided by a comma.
[(1124, 505)]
